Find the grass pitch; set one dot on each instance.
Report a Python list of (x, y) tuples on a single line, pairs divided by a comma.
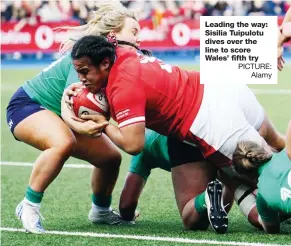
[(67, 201)]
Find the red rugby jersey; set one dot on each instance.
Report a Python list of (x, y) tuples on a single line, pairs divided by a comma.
[(142, 88)]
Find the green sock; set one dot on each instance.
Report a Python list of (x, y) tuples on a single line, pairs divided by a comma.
[(33, 196), (101, 200), (199, 203)]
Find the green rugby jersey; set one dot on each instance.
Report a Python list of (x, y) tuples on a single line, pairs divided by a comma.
[(154, 155), (48, 86), (274, 187)]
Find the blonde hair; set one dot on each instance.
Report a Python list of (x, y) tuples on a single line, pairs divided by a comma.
[(109, 16), (249, 156)]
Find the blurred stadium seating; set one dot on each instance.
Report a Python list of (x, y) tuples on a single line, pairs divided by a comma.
[(169, 28)]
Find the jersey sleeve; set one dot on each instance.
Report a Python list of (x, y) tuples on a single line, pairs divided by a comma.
[(126, 94), (72, 76), (266, 213)]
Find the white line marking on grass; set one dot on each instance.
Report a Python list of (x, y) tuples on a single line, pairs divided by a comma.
[(147, 238), (27, 164), (272, 91)]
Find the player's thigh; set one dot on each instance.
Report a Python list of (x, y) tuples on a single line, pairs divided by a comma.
[(44, 129), (191, 179), (98, 151)]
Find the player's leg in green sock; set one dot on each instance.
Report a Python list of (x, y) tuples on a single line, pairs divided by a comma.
[(199, 203), (101, 202), (33, 196)]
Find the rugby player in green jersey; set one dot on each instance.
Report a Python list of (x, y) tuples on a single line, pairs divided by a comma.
[(33, 116), (274, 181)]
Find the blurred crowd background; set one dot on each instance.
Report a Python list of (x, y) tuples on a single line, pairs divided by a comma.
[(169, 28), (34, 11)]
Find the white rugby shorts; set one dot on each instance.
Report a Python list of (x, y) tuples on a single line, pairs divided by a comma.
[(228, 114)]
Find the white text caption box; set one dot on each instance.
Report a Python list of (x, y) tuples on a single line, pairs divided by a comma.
[(238, 49)]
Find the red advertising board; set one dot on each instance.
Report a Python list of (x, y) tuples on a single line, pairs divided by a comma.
[(42, 37), (32, 38), (185, 34)]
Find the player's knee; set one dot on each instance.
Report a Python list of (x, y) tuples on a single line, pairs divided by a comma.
[(192, 220), (66, 146), (109, 162), (187, 223), (113, 159), (201, 224)]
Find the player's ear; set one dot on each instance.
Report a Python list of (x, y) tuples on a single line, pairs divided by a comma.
[(105, 64)]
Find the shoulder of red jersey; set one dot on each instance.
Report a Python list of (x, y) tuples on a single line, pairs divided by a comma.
[(125, 68), (123, 53), (124, 91)]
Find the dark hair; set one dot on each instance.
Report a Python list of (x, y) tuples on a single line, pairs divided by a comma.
[(97, 48)]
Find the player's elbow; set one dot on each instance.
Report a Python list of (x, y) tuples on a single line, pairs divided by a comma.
[(134, 149)]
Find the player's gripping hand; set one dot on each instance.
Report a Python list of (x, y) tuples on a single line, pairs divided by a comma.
[(70, 92), (90, 127), (136, 214), (280, 60), (96, 118)]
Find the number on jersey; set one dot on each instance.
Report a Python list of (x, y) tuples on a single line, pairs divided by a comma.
[(285, 192), (164, 66)]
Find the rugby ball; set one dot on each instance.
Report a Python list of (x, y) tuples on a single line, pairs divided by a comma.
[(88, 103)]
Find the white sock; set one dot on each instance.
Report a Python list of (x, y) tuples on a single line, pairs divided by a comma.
[(96, 208), (31, 203)]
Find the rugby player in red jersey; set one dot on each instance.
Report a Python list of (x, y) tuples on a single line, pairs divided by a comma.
[(144, 92)]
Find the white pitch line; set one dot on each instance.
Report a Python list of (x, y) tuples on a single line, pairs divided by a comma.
[(28, 164), (147, 238)]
